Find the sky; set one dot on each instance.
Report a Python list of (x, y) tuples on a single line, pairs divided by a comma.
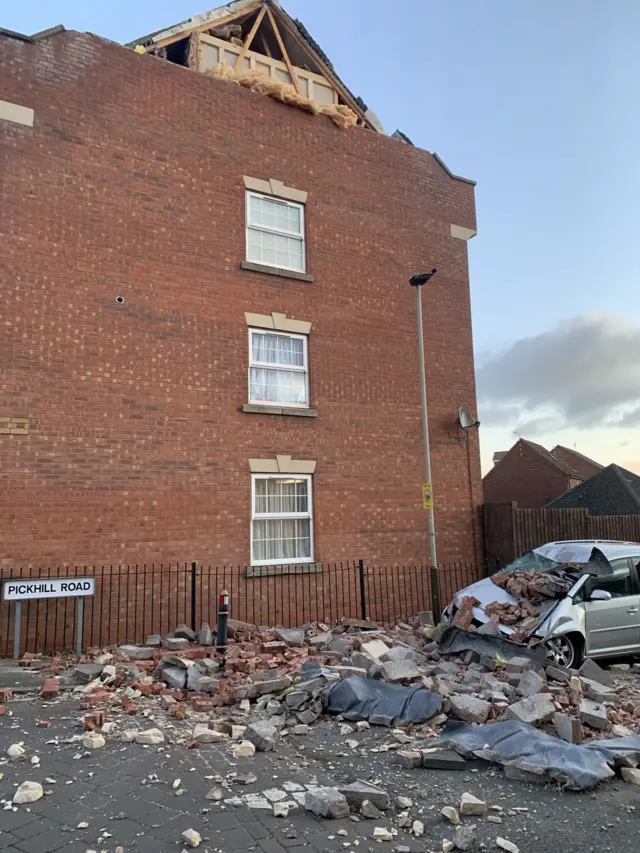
[(537, 102)]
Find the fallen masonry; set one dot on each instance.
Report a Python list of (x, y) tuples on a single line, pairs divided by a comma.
[(394, 687), (359, 792), (470, 805), (326, 802)]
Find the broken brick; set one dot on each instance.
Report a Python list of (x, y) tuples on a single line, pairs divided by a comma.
[(202, 705), (50, 688), (464, 614), (274, 647), (5, 694), (179, 710), (95, 699), (178, 695), (94, 720)]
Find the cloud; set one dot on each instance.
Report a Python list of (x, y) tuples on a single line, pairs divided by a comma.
[(534, 427), (630, 418), (583, 373)]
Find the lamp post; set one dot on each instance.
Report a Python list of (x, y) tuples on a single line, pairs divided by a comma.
[(418, 281)]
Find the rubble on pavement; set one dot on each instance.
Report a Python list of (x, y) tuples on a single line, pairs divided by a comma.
[(396, 682)]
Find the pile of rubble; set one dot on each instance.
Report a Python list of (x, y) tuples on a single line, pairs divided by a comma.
[(535, 594), (278, 682)]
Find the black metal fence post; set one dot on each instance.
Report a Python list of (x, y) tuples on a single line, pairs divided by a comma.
[(363, 600), (194, 569), (436, 605)]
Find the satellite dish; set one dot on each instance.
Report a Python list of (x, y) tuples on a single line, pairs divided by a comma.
[(466, 419)]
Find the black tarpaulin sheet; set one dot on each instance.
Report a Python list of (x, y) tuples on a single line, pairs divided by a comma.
[(455, 640), (511, 742), (358, 698)]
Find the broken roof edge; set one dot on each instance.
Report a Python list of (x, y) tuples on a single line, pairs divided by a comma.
[(199, 20), (439, 160), (241, 8), (42, 34)]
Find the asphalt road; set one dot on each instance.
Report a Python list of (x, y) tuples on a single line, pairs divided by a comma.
[(126, 795)]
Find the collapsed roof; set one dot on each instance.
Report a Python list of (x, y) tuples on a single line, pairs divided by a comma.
[(257, 37)]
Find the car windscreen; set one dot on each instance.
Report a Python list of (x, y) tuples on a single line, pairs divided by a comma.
[(531, 562)]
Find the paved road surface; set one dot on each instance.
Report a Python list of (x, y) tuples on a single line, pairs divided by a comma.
[(106, 789)]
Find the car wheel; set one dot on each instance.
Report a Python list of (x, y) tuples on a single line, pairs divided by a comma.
[(564, 651)]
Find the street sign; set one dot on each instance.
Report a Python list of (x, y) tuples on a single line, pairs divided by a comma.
[(20, 589), (427, 496), (23, 589)]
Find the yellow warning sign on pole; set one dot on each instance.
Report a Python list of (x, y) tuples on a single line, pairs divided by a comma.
[(427, 496)]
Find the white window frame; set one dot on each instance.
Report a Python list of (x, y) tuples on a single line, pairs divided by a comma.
[(260, 516), (301, 236), (288, 367)]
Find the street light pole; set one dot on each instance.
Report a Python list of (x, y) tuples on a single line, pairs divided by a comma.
[(418, 281)]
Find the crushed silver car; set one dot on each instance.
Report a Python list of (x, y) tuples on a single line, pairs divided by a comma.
[(578, 598)]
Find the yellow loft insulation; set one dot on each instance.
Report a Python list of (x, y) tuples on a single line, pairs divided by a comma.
[(256, 44), (257, 81)]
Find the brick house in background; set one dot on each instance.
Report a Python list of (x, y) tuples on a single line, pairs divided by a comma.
[(531, 476), (209, 345), (578, 461)]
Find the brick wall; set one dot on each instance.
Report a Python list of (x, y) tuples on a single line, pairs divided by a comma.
[(526, 477), (130, 184)]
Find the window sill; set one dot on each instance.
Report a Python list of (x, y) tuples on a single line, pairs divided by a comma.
[(271, 571), (257, 409), (252, 267)]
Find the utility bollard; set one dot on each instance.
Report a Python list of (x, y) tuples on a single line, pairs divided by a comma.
[(223, 624)]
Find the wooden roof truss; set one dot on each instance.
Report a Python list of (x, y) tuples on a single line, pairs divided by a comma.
[(268, 31)]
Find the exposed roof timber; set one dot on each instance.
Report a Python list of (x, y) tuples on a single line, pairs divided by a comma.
[(290, 25), (283, 49), (52, 31), (450, 173), (280, 21), (250, 37), (198, 24)]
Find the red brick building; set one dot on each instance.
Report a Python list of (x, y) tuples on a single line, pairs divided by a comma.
[(208, 344), (530, 476), (585, 466)]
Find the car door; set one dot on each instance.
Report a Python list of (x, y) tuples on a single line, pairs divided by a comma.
[(613, 627)]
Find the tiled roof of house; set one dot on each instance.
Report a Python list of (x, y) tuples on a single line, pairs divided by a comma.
[(613, 491), (559, 463), (574, 458)]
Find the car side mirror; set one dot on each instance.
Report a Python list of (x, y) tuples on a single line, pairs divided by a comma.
[(600, 595)]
